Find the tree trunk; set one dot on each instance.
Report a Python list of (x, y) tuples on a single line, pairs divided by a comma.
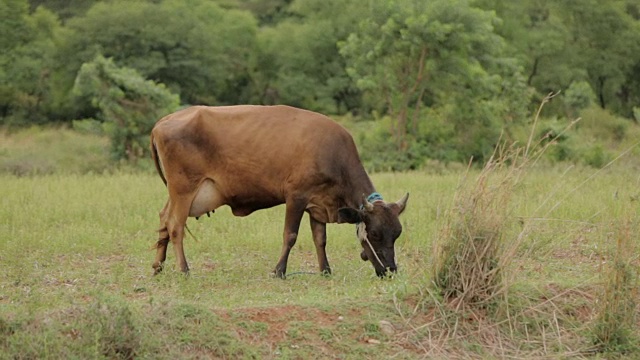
[(601, 81)]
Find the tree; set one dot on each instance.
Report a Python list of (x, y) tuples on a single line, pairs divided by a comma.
[(27, 43), (607, 39), (13, 24), (65, 9), (129, 105), (409, 54), (268, 12), (565, 42), (298, 61), (198, 49), (538, 36)]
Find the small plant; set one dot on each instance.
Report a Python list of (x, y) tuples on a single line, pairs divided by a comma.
[(114, 331), (596, 156), (579, 96), (6, 329)]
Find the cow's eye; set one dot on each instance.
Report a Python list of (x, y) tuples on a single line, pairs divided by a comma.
[(375, 236)]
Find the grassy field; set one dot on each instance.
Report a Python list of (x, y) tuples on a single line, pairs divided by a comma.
[(76, 278)]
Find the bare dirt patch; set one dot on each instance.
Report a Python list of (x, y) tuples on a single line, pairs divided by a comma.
[(279, 319)]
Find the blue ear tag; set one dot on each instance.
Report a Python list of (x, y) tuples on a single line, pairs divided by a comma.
[(371, 198), (374, 197)]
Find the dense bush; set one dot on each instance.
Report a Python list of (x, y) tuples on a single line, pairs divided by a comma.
[(129, 105)]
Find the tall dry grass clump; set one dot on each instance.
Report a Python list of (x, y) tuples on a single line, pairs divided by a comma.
[(478, 255), (616, 321), (477, 240), (472, 245)]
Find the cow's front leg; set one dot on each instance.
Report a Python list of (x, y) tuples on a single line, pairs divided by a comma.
[(176, 222), (294, 212), (319, 232)]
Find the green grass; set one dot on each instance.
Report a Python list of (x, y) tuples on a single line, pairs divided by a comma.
[(76, 278), (37, 151)]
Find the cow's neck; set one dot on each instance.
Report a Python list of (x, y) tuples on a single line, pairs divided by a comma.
[(361, 185)]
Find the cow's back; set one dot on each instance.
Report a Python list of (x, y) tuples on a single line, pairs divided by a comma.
[(256, 155)]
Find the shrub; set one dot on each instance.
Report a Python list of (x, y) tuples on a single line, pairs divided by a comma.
[(129, 104), (578, 96), (600, 124), (113, 329), (596, 156), (379, 151)]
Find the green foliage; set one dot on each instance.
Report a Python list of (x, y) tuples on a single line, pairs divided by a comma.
[(379, 153), (602, 125), (579, 96), (197, 49), (129, 104), (605, 58), (538, 36), (410, 54), (474, 68), (298, 60), (268, 12), (65, 9), (28, 43), (596, 156), (13, 26), (561, 42)]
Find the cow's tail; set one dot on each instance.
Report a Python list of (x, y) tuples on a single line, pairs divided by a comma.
[(156, 160)]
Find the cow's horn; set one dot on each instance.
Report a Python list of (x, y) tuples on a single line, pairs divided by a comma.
[(366, 204), (402, 203)]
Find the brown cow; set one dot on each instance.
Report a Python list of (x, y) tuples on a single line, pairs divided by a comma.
[(255, 157)]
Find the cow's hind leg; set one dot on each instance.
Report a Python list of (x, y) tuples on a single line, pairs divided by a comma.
[(294, 212), (173, 219), (319, 232), (161, 244), (161, 251)]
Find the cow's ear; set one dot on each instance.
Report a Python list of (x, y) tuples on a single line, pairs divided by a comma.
[(349, 215)]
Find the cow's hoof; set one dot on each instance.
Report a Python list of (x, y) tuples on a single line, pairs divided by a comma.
[(157, 269), (279, 273), (326, 272)]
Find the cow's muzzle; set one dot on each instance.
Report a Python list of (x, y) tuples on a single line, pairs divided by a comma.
[(390, 271), (386, 264)]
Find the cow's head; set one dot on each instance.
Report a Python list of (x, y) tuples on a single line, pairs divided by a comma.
[(378, 227)]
